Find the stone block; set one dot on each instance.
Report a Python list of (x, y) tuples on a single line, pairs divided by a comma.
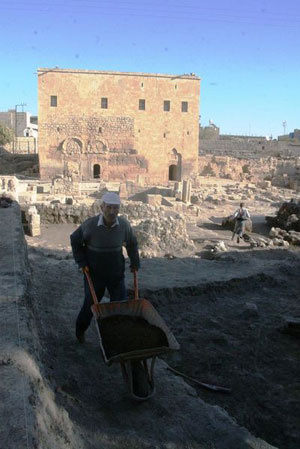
[(34, 220), (153, 200), (34, 231), (27, 197), (264, 184)]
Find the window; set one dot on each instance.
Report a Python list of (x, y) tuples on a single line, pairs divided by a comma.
[(53, 101), (167, 105), (104, 103), (184, 106), (142, 105)]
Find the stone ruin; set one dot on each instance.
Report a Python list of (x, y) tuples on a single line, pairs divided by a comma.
[(9, 184), (158, 233), (285, 227), (263, 171), (287, 218)]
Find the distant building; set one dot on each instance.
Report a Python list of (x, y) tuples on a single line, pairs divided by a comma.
[(292, 137), (211, 132), (118, 126), (21, 123)]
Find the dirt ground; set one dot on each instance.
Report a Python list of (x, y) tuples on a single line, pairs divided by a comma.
[(226, 313)]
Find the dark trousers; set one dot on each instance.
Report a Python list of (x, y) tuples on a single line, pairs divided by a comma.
[(116, 289), (239, 228)]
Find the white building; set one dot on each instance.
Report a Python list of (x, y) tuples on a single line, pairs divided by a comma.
[(22, 123)]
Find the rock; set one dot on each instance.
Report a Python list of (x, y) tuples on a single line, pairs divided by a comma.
[(288, 216), (273, 232), (250, 309), (291, 220), (278, 233), (280, 242), (220, 247)]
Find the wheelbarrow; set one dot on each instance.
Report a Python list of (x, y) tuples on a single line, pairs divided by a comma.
[(133, 334)]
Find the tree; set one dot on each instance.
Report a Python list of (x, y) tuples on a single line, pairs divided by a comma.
[(6, 135)]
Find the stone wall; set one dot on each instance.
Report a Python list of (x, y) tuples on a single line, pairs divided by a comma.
[(158, 235), (23, 145), (248, 148), (63, 213), (79, 138)]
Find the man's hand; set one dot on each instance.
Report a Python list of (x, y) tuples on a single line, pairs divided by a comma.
[(133, 269), (85, 269)]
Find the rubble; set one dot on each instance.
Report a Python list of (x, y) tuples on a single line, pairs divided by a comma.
[(288, 217), (164, 236)]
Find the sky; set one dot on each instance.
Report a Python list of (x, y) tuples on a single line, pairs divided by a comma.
[(245, 52)]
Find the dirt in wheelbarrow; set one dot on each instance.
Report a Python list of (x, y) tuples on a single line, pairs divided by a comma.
[(124, 333)]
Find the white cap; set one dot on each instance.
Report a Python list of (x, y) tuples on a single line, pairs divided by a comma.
[(111, 198)]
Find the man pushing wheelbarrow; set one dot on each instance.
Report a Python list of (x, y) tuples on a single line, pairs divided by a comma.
[(97, 249), (130, 332), (241, 215)]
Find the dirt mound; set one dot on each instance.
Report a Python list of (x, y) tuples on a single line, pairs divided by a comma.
[(11, 164)]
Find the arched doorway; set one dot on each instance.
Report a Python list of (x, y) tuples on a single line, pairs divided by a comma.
[(96, 171), (173, 172)]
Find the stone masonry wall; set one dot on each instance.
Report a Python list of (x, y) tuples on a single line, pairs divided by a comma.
[(157, 234), (23, 145), (248, 149)]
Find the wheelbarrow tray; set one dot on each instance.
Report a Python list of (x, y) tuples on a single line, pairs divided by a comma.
[(134, 308)]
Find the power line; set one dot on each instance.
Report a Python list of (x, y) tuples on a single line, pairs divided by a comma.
[(125, 10)]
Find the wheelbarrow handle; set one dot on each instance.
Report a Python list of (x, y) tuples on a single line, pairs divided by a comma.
[(135, 284), (91, 285)]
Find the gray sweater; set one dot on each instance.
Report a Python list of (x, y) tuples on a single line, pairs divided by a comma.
[(100, 248)]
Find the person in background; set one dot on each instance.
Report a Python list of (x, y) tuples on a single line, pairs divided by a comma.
[(97, 249), (240, 215)]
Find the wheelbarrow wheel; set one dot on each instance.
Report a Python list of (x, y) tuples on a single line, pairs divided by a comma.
[(139, 379)]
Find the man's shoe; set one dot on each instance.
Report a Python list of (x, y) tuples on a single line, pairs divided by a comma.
[(80, 336), (238, 240)]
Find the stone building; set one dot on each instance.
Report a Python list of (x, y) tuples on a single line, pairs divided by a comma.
[(118, 126)]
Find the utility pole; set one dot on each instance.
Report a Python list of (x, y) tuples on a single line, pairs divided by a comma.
[(16, 123), (284, 126)]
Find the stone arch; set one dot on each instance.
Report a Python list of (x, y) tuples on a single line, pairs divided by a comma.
[(96, 171), (175, 165), (72, 145), (97, 146)]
